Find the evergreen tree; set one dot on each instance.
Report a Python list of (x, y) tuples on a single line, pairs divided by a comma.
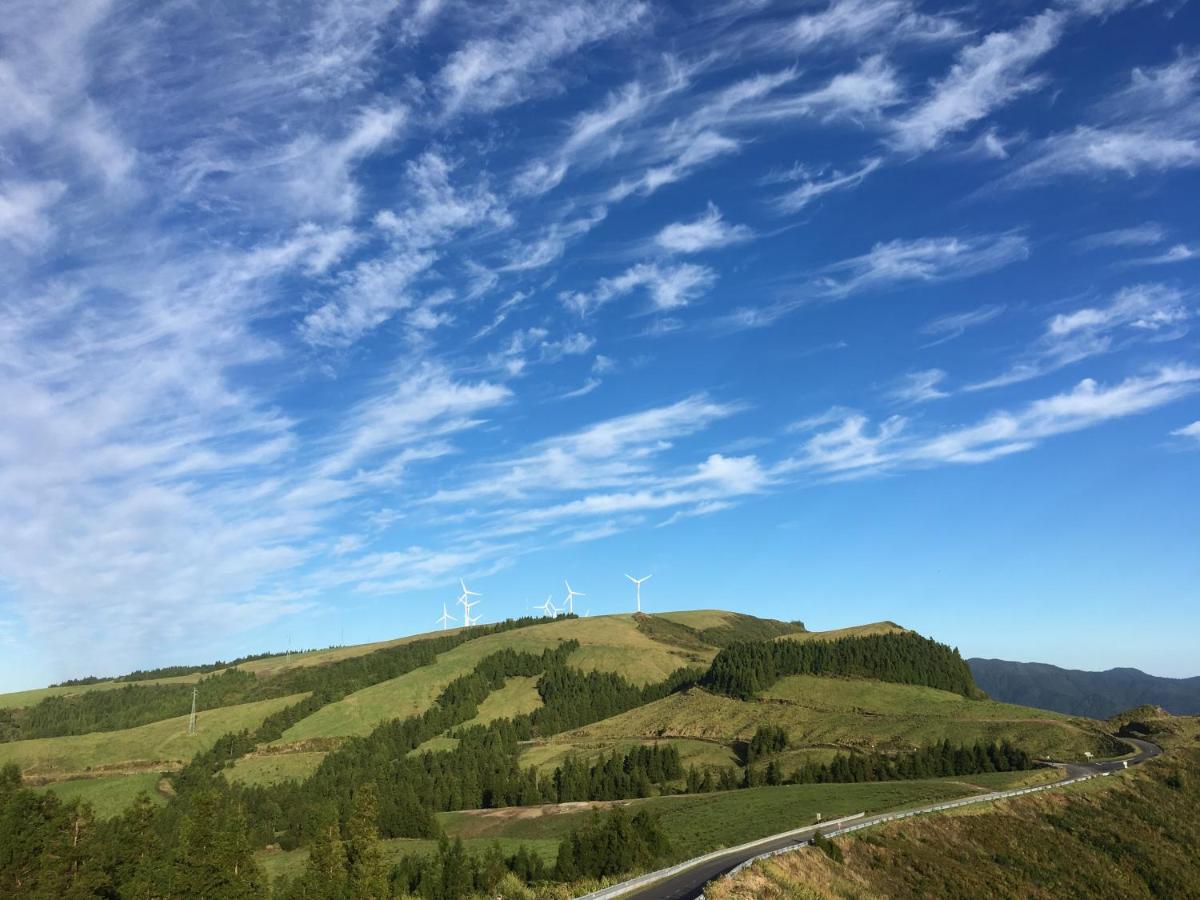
[(368, 875)]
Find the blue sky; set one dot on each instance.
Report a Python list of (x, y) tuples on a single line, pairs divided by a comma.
[(833, 312)]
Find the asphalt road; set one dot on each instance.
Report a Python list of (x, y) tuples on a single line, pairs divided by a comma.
[(690, 883)]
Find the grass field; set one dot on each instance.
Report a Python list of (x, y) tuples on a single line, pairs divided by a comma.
[(519, 695), (611, 643), (110, 795), (157, 745), (272, 768), (848, 714), (549, 755), (289, 864)]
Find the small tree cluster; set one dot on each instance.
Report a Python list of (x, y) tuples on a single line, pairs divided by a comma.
[(613, 845)]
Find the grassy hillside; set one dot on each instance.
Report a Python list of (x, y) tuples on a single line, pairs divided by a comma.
[(111, 794), (607, 643), (1132, 835), (849, 714), (164, 744)]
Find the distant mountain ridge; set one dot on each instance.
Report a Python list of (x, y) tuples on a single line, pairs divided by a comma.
[(1077, 692)]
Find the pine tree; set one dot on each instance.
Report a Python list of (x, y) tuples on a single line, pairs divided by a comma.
[(368, 874)]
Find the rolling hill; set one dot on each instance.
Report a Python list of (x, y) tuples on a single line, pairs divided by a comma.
[(1096, 694), (724, 726)]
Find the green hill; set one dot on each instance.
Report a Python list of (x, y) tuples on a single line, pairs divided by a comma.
[(717, 723)]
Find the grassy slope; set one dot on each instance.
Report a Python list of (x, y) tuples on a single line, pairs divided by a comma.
[(157, 745), (109, 796), (272, 768), (1131, 835), (611, 643), (548, 755), (846, 713), (519, 695)]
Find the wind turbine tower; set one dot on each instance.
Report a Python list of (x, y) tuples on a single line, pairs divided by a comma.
[(445, 618), (569, 605), (548, 608), (467, 603), (192, 717), (638, 584)]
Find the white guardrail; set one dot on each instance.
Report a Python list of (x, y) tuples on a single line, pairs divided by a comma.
[(625, 887), (832, 828)]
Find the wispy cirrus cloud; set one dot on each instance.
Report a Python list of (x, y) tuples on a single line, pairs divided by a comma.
[(955, 325), (709, 232), (858, 22), (1141, 312), (922, 260), (919, 387), (669, 286), (1143, 235), (984, 77), (488, 73), (815, 186), (852, 448), (1151, 126)]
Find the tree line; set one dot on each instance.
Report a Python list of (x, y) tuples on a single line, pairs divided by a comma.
[(747, 667)]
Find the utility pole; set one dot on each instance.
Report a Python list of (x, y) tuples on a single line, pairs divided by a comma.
[(192, 717)]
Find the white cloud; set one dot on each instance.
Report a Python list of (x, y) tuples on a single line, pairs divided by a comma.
[(863, 94), (924, 259), (1146, 311), (814, 188), (852, 449), (1153, 125), (985, 76), (1189, 431), (669, 286), (421, 405), (587, 130), (920, 387), (612, 453), (686, 153), (954, 325), (24, 212), (1175, 254), (488, 73), (317, 171), (551, 242), (1107, 151), (708, 232), (1135, 236), (437, 208), (857, 22)]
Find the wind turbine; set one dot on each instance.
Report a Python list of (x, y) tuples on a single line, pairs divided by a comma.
[(638, 583), (571, 595), (548, 608), (445, 618), (467, 603)]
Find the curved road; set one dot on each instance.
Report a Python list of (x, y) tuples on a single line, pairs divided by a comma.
[(690, 883)]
